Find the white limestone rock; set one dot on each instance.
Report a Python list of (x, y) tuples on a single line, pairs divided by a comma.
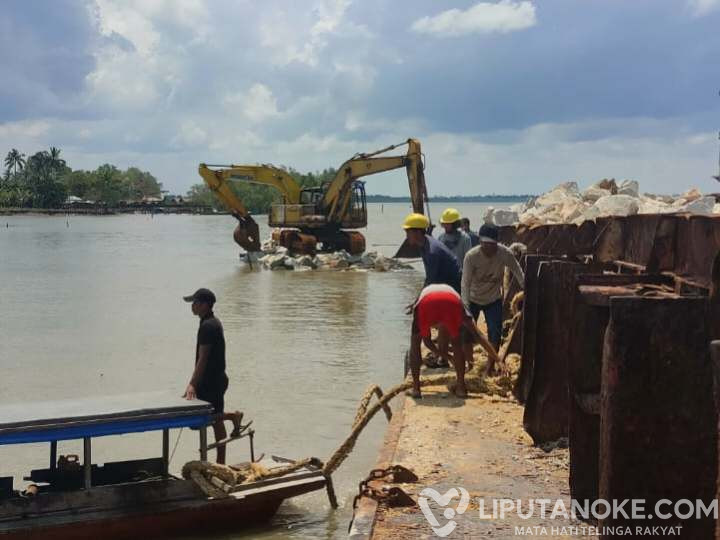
[(702, 206), (617, 205), (629, 187)]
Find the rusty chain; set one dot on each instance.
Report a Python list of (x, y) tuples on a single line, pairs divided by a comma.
[(392, 496)]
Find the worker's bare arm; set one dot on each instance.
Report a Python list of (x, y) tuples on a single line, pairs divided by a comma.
[(200, 365)]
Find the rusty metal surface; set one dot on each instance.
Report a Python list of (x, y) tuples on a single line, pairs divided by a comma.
[(529, 327), (584, 369), (715, 359), (587, 330), (547, 405), (683, 244), (659, 425)]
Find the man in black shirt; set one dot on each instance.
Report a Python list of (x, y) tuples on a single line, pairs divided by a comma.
[(208, 381)]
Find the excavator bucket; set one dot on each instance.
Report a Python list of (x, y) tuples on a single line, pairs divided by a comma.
[(247, 233), (406, 251)]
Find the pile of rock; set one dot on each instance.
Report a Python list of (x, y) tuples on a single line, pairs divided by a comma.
[(278, 258), (567, 204)]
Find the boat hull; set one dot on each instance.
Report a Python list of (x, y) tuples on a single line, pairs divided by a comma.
[(167, 509)]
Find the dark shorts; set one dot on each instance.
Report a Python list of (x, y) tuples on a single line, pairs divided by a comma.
[(214, 396)]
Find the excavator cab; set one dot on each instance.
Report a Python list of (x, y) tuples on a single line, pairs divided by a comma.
[(356, 215), (311, 195)]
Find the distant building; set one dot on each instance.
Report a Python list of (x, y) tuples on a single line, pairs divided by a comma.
[(173, 200)]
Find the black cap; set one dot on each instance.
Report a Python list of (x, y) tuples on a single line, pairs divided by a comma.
[(488, 233), (201, 295)]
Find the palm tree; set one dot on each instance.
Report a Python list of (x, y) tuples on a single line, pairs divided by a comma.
[(55, 160), (15, 159)]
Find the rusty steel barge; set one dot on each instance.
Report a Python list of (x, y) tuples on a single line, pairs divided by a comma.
[(617, 339)]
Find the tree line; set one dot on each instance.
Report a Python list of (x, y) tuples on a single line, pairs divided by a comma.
[(44, 180)]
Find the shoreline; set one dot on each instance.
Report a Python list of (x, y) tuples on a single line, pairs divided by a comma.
[(105, 211)]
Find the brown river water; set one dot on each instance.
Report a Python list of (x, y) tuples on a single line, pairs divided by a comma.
[(92, 306)]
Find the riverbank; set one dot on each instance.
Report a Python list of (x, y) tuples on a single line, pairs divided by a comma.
[(102, 211)]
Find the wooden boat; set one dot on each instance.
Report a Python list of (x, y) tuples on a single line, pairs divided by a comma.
[(127, 499)]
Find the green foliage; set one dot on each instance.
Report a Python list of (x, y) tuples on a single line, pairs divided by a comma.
[(44, 181)]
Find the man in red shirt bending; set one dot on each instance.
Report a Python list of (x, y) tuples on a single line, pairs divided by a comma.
[(440, 306)]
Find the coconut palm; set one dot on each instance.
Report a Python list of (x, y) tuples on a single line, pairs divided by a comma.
[(15, 160), (55, 161)]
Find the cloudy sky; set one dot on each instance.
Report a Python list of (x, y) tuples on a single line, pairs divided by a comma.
[(506, 96)]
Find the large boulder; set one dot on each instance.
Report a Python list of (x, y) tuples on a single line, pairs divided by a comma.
[(702, 206), (500, 217), (629, 187), (609, 185), (616, 205), (691, 194), (382, 263), (649, 205), (567, 190), (593, 193), (306, 261), (275, 262)]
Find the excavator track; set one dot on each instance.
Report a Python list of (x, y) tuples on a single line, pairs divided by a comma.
[(295, 241)]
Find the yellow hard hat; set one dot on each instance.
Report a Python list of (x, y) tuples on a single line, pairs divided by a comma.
[(450, 215), (416, 221)]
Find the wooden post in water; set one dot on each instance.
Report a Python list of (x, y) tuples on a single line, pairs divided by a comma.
[(87, 462), (203, 443), (166, 451), (53, 455)]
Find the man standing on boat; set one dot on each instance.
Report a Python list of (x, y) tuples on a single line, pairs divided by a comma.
[(209, 381)]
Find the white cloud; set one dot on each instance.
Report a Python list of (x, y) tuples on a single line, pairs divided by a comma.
[(146, 75), (699, 8), (129, 23), (282, 32), (190, 134), (256, 105), (482, 18), (24, 129)]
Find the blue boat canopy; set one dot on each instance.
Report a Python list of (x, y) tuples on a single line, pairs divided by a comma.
[(99, 416)]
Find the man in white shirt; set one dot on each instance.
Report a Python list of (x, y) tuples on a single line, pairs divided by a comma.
[(482, 280)]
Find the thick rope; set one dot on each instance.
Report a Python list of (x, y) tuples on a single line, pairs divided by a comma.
[(365, 401), (347, 446), (218, 480)]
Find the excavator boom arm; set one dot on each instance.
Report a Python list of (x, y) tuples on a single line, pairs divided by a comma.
[(217, 180), (337, 196)]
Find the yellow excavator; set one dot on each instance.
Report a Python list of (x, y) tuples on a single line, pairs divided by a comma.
[(324, 215)]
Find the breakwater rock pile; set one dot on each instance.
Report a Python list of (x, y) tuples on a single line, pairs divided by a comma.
[(567, 204), (278, 258)]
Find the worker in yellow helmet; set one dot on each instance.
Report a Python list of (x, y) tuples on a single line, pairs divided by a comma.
[(441, 266), (454, 237)]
